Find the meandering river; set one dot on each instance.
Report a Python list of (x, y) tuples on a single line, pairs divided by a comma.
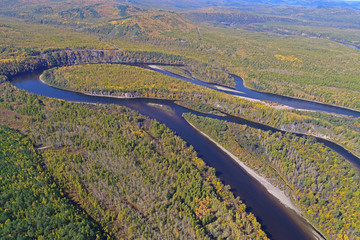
[(277, 221), (242, 91)]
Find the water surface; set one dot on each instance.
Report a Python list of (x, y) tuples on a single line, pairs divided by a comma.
[(242, 91), (277, 221)]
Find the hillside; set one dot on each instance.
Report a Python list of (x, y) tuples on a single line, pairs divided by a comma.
[(193, 4), (298, 52), (109, 172), (108, 18)]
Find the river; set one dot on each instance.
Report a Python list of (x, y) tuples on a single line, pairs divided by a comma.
[(242, 91), (277, 221)]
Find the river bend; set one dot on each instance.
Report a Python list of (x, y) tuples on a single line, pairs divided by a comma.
[(277, 221), (241, 90)]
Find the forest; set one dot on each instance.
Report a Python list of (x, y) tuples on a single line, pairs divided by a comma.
[(33, 205), (133, 176), (324, 185), (131, 81), (90, 171), (300, 165), (325, 70)]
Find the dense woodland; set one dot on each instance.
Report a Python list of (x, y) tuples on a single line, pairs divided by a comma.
[(313, 68), (130, 81), (300, 165), (106, 171), (323, 184), (33, 206), (132, 175)]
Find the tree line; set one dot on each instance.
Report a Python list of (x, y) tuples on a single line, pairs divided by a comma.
[(321, 182), (132, 175)]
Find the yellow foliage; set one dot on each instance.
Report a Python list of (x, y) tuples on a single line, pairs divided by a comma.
[(7, 60), (290, 59), (203, 207), (199, 162)]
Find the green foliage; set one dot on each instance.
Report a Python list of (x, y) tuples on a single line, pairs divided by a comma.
[(3, 78), (117, 80), (31, 204), (131, 174), (325, 71), (324, 184), (16, 66), (19, 40), (300, 66), (128, 81)]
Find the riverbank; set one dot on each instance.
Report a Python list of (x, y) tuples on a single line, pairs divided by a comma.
[(273, 105), (227, 89), (127, 95), (274, 191), (352, 159), (279, 106), (299, 99), (225, 170)]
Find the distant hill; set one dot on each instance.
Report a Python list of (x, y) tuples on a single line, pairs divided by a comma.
[(193, 4), (319, 13), (112, 18), (233, 17)]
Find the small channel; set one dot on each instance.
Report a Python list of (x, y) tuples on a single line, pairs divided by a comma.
[(277, 221), (242, 91)]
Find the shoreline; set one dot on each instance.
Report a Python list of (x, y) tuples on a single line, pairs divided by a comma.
[(280, 107), (107, 96), (277, 193), (219, 87), (275, 105), (274, 191), (298, 98)]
